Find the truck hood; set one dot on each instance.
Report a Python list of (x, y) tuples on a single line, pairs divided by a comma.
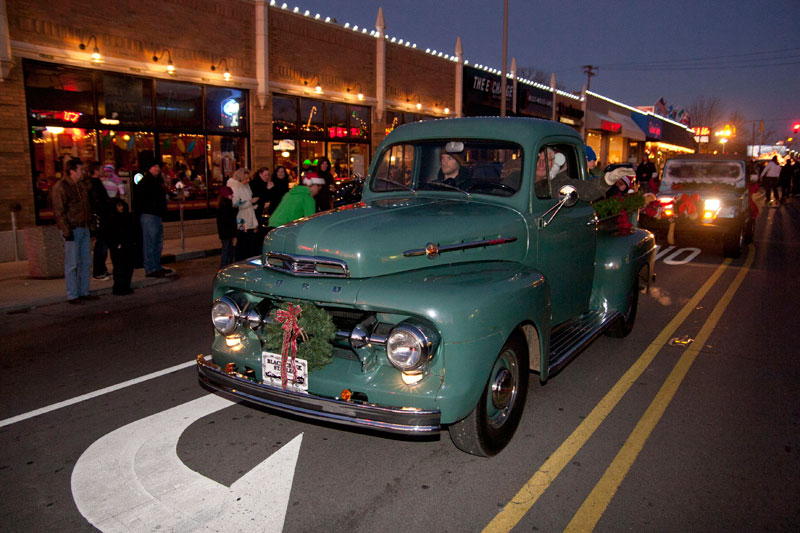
[(372, 238)]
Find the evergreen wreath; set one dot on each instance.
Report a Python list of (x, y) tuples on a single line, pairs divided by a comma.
[(610, 207), (315, 346)]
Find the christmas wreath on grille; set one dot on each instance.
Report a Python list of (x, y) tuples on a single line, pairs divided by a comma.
[(300, 330)]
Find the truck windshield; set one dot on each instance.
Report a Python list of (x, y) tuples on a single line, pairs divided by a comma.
[(455, 166), (710, 172)]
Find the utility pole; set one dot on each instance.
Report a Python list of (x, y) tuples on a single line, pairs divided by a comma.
[(589, 70), (505, 53)]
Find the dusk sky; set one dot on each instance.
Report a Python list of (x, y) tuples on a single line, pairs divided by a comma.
[(747, 53)]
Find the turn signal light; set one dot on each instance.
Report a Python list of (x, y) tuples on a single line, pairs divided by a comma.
[(346, 395), (708, 216), (230, 368), (668, 212)]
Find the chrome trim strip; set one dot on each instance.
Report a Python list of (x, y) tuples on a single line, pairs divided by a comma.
[(391, 420), (303, 265), (460, 246)]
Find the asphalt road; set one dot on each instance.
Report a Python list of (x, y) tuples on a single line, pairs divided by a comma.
[(687, 424)]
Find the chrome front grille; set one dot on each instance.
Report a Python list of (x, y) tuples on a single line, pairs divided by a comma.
[(301, 265)]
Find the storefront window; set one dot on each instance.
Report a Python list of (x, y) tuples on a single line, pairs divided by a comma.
[(58, 95), (120, 131), (124, 100), (284, 116), (359, 122), (184, 170), (310, 152), (337, 153), (326, 128), (52, 147), (614, 149), (121, 150), (311, 119), (285, 154), (337, 121), (224, 155), (179, 105), (359, 157), (226, 109)]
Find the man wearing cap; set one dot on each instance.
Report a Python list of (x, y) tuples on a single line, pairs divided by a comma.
[(299, 201), (452, 173), (150, 204), (591, 162)]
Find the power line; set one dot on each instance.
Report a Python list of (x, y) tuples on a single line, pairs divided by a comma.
[(704, 58)]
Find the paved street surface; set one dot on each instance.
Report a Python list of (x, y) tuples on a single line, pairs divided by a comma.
[(688, 424)]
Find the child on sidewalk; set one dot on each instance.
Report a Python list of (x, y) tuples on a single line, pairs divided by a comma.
[(121, 242), (226, 225)]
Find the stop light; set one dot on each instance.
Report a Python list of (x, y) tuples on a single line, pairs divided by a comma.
[(796, 127)]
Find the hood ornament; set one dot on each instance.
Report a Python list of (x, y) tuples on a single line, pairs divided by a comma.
[(432, 250)]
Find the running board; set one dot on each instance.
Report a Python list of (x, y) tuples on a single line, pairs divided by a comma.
[(570, 338)]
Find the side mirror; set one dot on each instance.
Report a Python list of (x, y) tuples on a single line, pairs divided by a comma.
[(568, 195)]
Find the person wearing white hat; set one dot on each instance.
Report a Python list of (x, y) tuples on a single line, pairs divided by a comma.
[(299, 201)]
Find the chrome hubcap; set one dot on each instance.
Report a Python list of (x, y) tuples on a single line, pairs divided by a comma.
[(502, 389)]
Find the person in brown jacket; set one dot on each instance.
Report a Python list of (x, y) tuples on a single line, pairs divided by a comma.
[(70, 201)]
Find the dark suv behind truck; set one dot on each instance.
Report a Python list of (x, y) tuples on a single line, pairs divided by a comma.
[(705, 194)]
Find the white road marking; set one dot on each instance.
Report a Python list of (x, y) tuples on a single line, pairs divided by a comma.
[(90, 395), (133, 480)]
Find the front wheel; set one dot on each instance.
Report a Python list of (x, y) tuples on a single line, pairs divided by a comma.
[(624, 324), (493, 421), (733, 242)]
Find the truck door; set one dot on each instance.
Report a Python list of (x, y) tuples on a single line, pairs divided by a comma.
[(566, 246)]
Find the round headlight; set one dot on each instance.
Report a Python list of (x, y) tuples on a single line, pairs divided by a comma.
[(224, 315), (408, 347)]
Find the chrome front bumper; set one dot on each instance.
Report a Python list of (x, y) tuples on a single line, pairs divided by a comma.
[(349, 413)]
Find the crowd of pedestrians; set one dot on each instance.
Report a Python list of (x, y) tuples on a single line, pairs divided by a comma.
[(775, 177), (252, 205), (87, 202)]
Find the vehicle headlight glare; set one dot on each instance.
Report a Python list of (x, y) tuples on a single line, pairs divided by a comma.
[(224, 315), (712, 204)]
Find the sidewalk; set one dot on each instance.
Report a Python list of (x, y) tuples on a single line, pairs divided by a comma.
[(18, 291)]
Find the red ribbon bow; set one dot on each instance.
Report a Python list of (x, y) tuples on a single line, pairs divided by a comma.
[(687, 205), (624, 225), (291, 329)]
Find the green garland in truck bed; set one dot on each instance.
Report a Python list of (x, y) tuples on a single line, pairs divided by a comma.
[(611, 207)]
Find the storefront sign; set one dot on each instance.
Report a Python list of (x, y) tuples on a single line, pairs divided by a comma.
[(650, 125), (482, 95), (613, 127)]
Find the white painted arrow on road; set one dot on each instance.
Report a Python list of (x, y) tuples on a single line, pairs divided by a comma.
[(133, 480)]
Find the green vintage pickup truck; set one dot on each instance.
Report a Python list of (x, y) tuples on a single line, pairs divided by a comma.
[(474, 258)]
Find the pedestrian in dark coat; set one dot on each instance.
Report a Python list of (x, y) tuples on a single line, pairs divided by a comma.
[(324, 199), (785, 180), (100, 205), (226, 225), (122, 236)]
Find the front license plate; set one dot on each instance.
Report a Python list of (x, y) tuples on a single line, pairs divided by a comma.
[(271, 372)]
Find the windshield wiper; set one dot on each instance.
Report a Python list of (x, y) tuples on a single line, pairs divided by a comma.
[(448, 186), (401, 185)]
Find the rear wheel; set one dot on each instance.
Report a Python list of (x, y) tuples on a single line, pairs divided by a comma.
[(492, 423)]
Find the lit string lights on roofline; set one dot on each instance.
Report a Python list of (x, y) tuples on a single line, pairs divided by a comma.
[(448, 57)]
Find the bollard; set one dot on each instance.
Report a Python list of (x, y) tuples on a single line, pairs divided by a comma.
[(14, 208)]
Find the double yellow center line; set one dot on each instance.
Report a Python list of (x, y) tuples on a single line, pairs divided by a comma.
[(594, 506)]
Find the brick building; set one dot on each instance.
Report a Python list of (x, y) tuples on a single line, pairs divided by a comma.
[(226, 83)]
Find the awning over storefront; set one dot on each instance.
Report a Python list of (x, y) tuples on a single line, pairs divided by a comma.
[(599, 121), (629, 127)]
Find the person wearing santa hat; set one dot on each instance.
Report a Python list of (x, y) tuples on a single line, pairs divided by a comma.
[(298, 202)]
